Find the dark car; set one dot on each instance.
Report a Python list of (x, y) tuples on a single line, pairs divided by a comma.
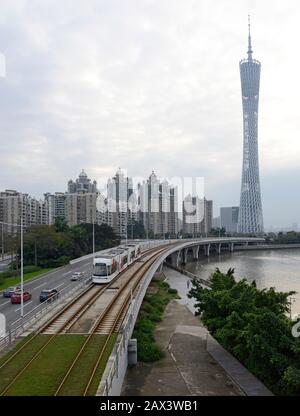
[(16, 297), (9, 291), (48, 295)]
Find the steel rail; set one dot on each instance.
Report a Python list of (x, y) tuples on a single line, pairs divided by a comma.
[(140, 273), (59, 314)]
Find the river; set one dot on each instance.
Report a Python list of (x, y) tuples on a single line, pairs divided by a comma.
[(269, 268)]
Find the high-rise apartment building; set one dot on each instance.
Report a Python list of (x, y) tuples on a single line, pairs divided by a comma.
[(197, 216), (158, 209), (82, 185), (229, 219), (14, 205)]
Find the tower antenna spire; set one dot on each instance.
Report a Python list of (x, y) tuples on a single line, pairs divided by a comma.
[(250, 51)]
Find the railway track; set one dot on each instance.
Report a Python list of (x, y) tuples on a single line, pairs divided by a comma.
[(107, 323), (110, 320)]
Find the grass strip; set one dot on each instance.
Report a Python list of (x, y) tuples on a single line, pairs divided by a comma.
[(43, 376), (76, 382), (13, 367), (14, 281)]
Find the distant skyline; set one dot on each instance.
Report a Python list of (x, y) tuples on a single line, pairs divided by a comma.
[(145, 85)]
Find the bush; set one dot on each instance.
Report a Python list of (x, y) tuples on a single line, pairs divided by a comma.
[(151, 312), (31, 269), (9, 273), (62, 261), (149, 352)]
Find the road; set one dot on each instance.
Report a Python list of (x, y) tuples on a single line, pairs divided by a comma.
[(57, 279)]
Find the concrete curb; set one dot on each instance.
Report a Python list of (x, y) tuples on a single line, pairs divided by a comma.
[(247, 382)]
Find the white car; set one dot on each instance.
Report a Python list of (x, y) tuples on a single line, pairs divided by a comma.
[(77, 276)]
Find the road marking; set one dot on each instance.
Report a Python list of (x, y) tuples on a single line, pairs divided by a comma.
[(65, 274), (5, 303), (39, 286), (25, 304), (56, 287)]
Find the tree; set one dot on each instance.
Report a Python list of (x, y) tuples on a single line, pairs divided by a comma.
[(253, 325), (61, 224), (136, 230)]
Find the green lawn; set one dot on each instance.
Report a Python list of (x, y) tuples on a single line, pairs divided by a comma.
[(44, 375), (13, 281)]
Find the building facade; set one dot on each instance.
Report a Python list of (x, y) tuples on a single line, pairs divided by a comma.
[(197, 216), (158, 207), (229, 219), (15, 205), (250, 214)]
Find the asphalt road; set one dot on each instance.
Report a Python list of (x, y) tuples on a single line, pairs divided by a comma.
[(58, 279)]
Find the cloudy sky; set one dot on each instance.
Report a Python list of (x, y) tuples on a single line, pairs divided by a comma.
[(148, 84)]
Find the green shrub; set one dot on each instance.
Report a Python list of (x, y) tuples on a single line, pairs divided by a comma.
[(62, 261), (9, 273), (31, 269), (149, 352), (151, 312)]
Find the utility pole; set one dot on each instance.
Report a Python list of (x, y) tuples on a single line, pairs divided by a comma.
[(22, 258)]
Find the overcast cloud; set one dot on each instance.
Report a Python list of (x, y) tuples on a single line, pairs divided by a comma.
[(143, 85)]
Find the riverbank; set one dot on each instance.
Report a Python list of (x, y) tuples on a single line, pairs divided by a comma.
[(269, 268)]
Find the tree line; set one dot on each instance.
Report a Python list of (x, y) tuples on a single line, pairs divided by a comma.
[(55, 245)]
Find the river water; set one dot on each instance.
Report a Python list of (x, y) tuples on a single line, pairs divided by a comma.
[(269, 268)]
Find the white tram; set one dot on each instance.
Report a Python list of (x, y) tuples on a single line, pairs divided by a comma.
[(108, 265)]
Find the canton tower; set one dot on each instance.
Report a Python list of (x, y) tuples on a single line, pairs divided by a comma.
[(250, 212)]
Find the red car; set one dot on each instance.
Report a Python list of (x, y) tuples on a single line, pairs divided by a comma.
[(16, 297)]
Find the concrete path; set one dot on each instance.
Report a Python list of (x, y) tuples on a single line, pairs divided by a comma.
[(187, 368), (194, 364)]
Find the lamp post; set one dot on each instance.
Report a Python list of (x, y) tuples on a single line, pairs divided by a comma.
[(22, 268)]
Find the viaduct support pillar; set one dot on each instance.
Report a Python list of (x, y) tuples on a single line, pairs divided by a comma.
[(175, 259), (196, 252), (207, 250), (184, 253)]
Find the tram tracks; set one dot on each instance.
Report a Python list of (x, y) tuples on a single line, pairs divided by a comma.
[(106, 324)]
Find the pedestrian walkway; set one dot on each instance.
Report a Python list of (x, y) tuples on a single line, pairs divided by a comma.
[(187, 368)]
